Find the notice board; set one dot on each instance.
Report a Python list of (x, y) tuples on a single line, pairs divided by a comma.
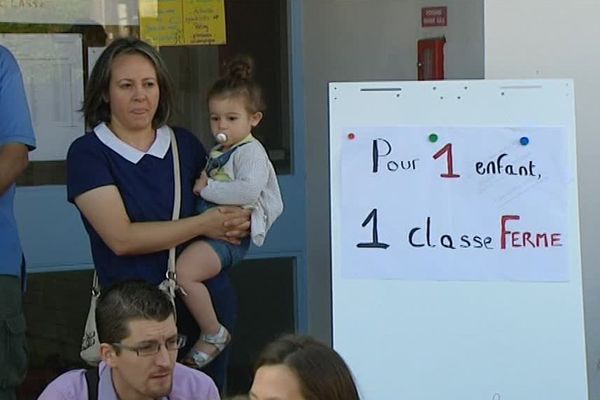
[(456, 268)]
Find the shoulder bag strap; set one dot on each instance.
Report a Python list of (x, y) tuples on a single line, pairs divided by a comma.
[(92, 380), (176, 199), (95, 285)]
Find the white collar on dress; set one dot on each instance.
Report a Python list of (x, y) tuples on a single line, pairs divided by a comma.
[(158, 149)]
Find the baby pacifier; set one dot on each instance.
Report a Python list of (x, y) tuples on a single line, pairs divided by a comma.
[(221, 137)]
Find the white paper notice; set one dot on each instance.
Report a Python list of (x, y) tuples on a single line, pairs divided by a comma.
[(93, 56), (52, 69), (459, 203), (81, 12)]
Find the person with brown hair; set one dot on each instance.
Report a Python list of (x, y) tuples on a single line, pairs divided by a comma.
[(238, 172), (120, 176), (301, 368), (140, 341)]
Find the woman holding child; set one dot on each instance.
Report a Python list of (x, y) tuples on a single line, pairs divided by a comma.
[(120, 177)]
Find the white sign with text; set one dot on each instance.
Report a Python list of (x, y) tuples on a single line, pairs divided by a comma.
[(455, 249), (454, 203)]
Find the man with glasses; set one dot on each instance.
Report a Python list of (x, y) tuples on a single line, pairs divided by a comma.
[(139, 344)]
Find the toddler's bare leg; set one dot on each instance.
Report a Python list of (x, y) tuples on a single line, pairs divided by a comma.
[(197, 263)]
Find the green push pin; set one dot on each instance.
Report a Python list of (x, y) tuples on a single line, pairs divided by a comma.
[(433, 138)]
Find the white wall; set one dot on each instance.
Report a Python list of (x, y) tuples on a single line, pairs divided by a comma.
[(343, 40), (557, 39), (352, 40)]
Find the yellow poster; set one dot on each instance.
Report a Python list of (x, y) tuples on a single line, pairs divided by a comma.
[(182, 22), (204, 21)]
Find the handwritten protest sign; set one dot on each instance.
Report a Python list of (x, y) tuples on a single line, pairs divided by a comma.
[(455, 203), (455, 239)]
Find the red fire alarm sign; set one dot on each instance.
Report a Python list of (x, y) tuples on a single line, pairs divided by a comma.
[(434, 16)]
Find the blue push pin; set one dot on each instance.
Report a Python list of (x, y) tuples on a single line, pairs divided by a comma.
[(524, 141)]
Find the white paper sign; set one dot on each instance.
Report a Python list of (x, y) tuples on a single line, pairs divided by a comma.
[(455, 203), (93, 56), (81, 12), (52, 69)]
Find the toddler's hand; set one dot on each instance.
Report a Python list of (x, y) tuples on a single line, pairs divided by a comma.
[(201, 183)]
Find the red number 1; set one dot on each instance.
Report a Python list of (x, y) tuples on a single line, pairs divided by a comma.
[(448, 150)]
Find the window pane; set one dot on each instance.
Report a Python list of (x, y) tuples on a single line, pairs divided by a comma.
[(266, 297), (264, 38), (195, 68), (53, 172)]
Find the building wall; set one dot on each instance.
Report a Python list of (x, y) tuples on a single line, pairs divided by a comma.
[(356, 40), (555, 39)]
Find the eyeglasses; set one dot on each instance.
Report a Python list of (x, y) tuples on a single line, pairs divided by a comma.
[(151, 349)]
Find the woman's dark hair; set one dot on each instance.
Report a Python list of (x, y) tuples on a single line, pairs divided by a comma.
[(96, 109), (238, 82), (321, 371), (127, 301)]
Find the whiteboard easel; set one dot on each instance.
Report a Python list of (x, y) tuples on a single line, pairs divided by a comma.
[(425, 337)]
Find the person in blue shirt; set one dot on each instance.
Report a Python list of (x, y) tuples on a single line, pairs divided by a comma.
[(16, 140), (120, 177)]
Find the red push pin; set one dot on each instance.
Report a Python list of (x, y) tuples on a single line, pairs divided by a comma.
[(351, 136)]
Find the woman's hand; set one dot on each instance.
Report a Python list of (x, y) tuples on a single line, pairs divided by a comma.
[(229, 223)]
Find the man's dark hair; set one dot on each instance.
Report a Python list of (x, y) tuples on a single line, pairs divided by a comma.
[(127, 301)]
